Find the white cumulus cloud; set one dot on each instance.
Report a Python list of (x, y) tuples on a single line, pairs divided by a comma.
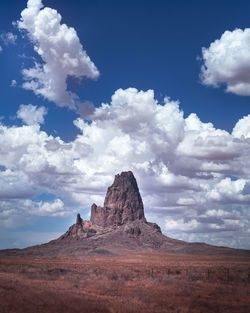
[(194, 178), (31, 114), (61, 51), (242, 127), (227, 62), (229, 191)]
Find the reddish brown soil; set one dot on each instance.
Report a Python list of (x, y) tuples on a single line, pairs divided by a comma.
[(128, 283)]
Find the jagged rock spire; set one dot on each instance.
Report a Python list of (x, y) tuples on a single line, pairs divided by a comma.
[(122, 204), (78, 219)]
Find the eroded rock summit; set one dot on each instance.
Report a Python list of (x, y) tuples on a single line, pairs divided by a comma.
[(122, 204), (123, 211)]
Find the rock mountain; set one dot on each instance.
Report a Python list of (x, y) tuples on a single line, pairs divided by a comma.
[(123, 210), (117, 227), (122, 203)]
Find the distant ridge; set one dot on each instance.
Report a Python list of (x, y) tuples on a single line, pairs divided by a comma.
[(118, 226)]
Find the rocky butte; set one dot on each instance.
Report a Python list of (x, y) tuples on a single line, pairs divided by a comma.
[(119, 226), (122, 204), (122, 211)]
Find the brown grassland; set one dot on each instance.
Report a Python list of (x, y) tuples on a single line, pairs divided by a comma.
[(146, 282)]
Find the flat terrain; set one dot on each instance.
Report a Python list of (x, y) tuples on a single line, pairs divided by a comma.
[(146, 282)]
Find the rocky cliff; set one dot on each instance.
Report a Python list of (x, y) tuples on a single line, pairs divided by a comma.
[(123, 210), (122, 204)]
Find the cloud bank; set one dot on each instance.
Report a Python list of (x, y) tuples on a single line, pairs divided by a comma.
[(61, 52), (227, 62), (194, 178)]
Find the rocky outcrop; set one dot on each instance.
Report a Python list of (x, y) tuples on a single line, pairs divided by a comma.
[(117, 227), (99, 215), (78, 219), (81, 229), (122, 204), (123, 210)]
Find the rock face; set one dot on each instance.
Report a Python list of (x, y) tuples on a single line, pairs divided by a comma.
[(117, 227), (122, 204), (81, 229), (78, 219), (123, 209)]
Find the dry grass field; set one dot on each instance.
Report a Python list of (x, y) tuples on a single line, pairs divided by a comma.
[(146, 282)]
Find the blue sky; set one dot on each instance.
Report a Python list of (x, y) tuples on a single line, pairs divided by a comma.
[(186, 140)]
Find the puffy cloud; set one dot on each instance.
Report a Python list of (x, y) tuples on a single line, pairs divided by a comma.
[(85, 109), (15, 185), (227, 62), (181, 225), (61, 51), (31, 114), (31, 208), (41, 208), (8, 38), (16, 141), (1, 49), (194, 178), (229, 191), (13, 83), (203, 141), (242, 127)]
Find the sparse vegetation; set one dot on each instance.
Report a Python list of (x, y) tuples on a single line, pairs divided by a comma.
[(124, 284)]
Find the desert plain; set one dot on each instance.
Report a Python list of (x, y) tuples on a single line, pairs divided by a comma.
[(129, 282)]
